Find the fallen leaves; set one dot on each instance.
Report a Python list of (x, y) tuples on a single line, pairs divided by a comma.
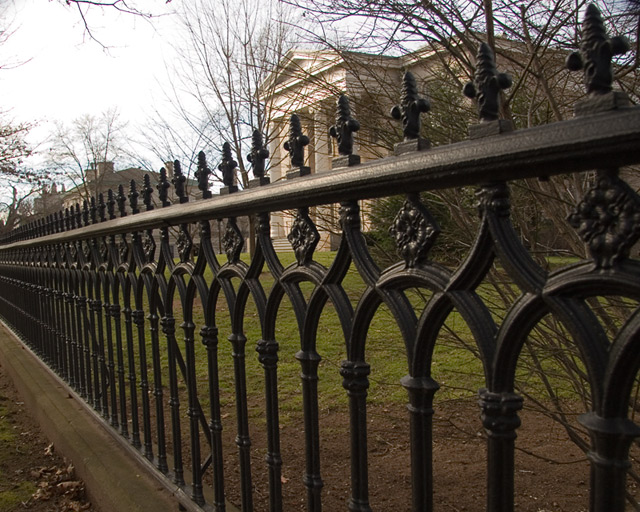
[(59, 483)]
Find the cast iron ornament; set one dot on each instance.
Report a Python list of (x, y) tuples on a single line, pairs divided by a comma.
[(414, 231), (103, 250), (147, 193), (303, 236), (148, 246), (232, 241), (102, 207), (202, 175), (494, 198), (133, 197), (410, 108), (93, 211), (608, 220), (345, 126), (123, 249), (228, 165), (121, 199), (486, 85), (85, 213), (163, 188), (258, 154), (178, 182), (296, 143), (184, 244), (111, 205), (596, 52)]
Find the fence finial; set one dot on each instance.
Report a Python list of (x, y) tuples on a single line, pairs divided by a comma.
[(93, 210), (85, 212), (296, 143), (202, 175), (122, 201), (101, 207), (147, 193), (178, 182), (78, 215), (258, 154), (228, 165), (596, 51), (163, 188), (410, 108), (486, 85), (111, 205), (133, 197), (345, 126), (67, 220)]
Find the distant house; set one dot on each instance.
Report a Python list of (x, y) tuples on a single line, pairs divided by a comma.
[(308, 83), (105, 177)]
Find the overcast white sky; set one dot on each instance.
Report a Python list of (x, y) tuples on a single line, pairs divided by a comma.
[(64, 74)]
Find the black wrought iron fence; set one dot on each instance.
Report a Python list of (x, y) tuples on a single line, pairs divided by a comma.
[(97, 292)]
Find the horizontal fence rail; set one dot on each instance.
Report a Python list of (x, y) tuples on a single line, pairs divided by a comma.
[(129, 307)]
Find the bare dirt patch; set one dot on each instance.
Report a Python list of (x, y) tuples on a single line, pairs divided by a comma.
[(551, 473)]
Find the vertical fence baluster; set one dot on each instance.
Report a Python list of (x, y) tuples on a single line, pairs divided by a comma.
[(169, 329), (210, 341)]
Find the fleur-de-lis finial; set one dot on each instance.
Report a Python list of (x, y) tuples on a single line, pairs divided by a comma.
[(345, 126), (596, 52), (163, 188), (122, 201), (258, 154), (410, 108), (133, 197), (147, 193), (202, 175), (228, 165), (296, 143), (486, 85), (178, 182)]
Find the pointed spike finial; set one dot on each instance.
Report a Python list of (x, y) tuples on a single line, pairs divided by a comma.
[(202, 175), (163, 188), (596, 52), (258, 154), (147, 193), (296, 142), (228, 166), (345, 126), (178, 181), (410, 108), (121, 199), (486, 85)]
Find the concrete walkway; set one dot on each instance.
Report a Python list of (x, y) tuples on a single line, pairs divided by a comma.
[(115, 481)]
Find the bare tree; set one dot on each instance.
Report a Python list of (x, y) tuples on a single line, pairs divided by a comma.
[(77, 150), (228, 51)]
